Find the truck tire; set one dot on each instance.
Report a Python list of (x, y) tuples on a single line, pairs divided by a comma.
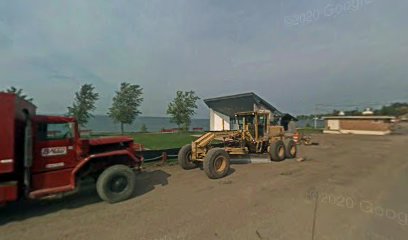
[(277, 151), (184, 158), (290, 148), (116, 183), (216, 163)]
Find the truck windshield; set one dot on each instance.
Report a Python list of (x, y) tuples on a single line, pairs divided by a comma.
[(55, 131)]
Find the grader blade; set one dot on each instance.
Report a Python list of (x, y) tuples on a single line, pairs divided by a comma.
[(250, 158)]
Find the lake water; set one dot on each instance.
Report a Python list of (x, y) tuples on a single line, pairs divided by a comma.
[(309, 123), (155, 124)]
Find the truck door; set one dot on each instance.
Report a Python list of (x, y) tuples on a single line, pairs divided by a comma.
[(54, 146)]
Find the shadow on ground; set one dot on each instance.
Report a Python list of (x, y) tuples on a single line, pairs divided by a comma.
[(147, 180), (87, 195), (230, 171), (400, 129)]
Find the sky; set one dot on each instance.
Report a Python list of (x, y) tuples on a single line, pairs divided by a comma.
[(301, 56)]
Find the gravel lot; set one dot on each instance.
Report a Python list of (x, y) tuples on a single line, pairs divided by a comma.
[(349, 187)]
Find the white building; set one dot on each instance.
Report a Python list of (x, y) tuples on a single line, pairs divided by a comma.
[(223, 109), (368, 112), (368, 125)]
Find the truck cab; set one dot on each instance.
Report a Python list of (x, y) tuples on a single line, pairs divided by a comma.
[(45, 155)]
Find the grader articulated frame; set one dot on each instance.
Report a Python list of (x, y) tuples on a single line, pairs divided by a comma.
[(255, 135)]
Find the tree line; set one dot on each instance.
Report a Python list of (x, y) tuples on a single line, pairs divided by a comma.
[(394, 109), (125, 105)]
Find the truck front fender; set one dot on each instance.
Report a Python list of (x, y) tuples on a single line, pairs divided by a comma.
[(132, 160)]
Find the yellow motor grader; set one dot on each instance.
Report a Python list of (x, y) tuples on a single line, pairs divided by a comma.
[(254, 135)]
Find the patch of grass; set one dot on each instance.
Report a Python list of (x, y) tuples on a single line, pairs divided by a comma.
[(310, 130), (164, 140), (157, 141)]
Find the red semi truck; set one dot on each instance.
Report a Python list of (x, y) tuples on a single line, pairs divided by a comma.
[(44, 155)]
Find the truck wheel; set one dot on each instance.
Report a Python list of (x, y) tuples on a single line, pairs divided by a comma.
[(216, 163), (291, 148), (184, 158), (277, 151), (116, 183)]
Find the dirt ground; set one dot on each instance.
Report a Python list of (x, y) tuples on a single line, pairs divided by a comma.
[(349, 187)]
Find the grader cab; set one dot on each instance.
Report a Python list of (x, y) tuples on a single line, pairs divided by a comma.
[(254, 135)]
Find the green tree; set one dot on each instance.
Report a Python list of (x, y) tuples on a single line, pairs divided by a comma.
[(84, 104), (182, 108), (143, 128), (335, 112), (19, 93), (394, 109), (125, 104)]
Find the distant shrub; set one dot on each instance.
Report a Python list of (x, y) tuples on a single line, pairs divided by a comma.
[(143, 128)]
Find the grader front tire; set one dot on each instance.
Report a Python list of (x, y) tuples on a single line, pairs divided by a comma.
[(184, 158), (216, 163)]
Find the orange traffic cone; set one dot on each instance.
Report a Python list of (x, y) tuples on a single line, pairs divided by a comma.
[(296, 137)]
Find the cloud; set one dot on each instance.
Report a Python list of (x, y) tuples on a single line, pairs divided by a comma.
[(213, 47)]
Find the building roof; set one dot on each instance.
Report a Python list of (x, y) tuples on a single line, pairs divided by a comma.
[(229, 105), (359, 117)]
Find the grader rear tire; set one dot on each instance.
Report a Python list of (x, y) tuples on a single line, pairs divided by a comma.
[(216, 163), (277, 151), (184, 158), (290, 148)]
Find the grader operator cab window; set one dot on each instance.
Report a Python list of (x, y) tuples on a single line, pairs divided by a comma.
[(55, 131), (261, 125), (245, 120), (240, 122)]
